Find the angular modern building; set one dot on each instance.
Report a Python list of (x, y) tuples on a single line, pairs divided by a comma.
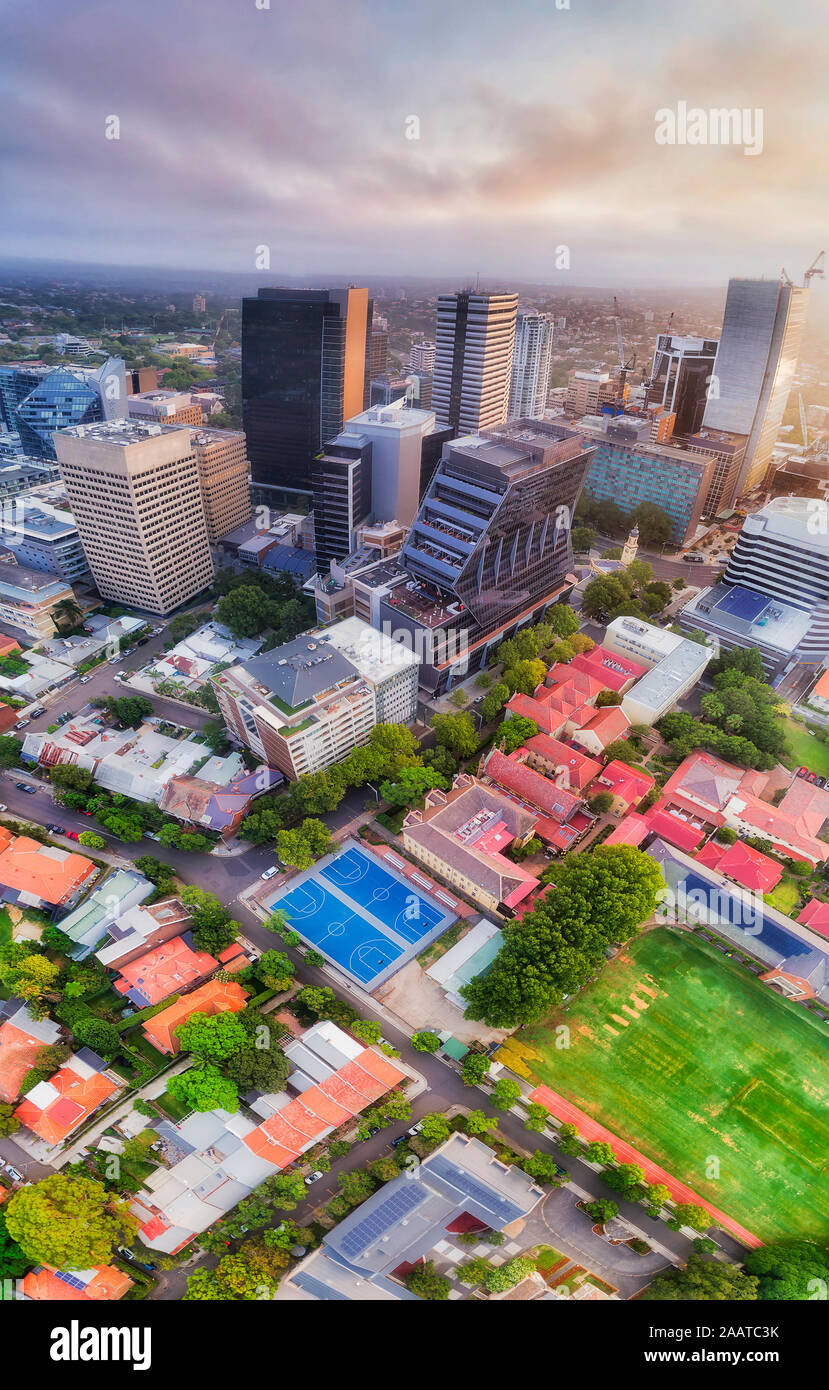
[(475, 337), (754, 370), (36, 401), (679, 378), (135, 495), (531, 358), (774, 593), (306, 358), (490, 545), (626, 468)]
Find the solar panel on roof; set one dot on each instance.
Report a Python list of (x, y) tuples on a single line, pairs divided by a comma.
[(492, 1201), (71, 1279), (382, 1218), (318, 1288)]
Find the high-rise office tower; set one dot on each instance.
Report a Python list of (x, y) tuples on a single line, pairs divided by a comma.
[(378, 351), (754, 370), (473, 359), (135, 496), (222, 461), (305, 370), (36, 401), (679, 378), (490, 546), (341, 478), (422, 357), (531, 359)]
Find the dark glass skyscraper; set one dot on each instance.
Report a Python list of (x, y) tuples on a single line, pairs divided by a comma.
[(305, 371)]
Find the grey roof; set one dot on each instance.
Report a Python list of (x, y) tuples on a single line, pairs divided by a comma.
[(300, 670)]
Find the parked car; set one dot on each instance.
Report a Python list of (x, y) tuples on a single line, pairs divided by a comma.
[(314, 1177), (37, 711), (13, 1173), (401, 1139), (24, 787), (271, 872), (3, 806), (85, 680), (21, 723), (142, 641), (803, 772), (415, 1129), (111, 660), (72, 835), (55, 829)]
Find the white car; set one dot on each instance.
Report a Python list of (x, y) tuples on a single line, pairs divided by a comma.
[(415, 1129), (13, 1173), (314, 1177), (85, 680), (271, 872), (3, 806)]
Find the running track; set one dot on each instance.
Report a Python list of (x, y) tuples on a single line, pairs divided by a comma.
[(590, 1129)]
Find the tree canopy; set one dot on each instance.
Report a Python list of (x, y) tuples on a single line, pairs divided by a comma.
[(71, 1222)]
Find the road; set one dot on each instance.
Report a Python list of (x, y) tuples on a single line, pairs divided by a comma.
[(665, 568)]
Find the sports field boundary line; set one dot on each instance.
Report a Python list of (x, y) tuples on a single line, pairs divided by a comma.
[(590, 1129)]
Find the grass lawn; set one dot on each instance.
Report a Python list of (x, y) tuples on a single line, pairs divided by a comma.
[(691, 1059), (172, 1107), (547, 1258), (806, 751), (5, 927), (785, 896)]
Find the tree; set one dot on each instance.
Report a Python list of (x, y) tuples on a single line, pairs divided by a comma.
[(514, 732), (247, 611), (536, 1118), (425, 1041), (655, 526), (9, 1122), (505, 1093), (599, 1152), (301, 847), (602, 803), (562, 619), (525, 675), (68, 1222), (275, 970), (213, 928), (318, 999), (9, 750), (315, 958), (284, 1190), (474, 1272), (203, 1087), (356, 1185), (543, 1167), (13, 1262), (91, 840), (474, 1068), (503, 1277), (725, 835), (367, 1030), (620, 751), (78, 779), (687, 1214), (582, 538), (213, 1035), (260, 1065), (792, 1271), (441, 760), (128, 710), (456, 732), (425, 1281), (96, 1033), (608, 697), (703, 1279), (30, 975), (477, 1122), (434, 1129), (412, 783), (602, 1210), (494, 702)]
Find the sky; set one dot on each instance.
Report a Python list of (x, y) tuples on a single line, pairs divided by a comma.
[(284, 124)]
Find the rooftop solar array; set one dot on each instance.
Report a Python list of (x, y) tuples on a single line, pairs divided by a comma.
[(71, 1279), (382, 1218), (318, 1288), (505, 1210)]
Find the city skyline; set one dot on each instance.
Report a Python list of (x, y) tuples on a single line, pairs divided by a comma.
[(536, 131)]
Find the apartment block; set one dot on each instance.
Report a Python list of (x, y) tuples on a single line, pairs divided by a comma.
[(165, 407), (135, 493), (473, 359), (28, 598)]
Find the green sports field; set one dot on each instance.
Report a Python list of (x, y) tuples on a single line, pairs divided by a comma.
[(688, 1057)]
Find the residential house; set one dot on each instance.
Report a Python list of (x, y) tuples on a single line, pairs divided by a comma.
[(549, 755), (54, 1109), (171, 968), (202, 803), (103, 1283), (744, 864), (626, 783), (815, 915), (104, 909), (21, 1039), (215, 997), (41, 875)]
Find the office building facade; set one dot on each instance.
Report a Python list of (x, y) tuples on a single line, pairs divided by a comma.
[(679, 378), (474, 340), (306, 358), (490, 545), (341, 483), (135, 495), (37, 401), (531, 360), (222, 462), (754, 370), (42, 538)]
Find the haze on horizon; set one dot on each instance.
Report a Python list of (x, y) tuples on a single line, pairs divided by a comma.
[(286, 127)]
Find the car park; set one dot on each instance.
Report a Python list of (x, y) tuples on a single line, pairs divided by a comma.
[(314, 1177)]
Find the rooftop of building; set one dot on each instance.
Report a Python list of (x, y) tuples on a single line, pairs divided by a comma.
[(34, 872), (298, 672), (18, 579), (755, 618), (124, 431), (375, 655), (791, 520), (54, 1108)]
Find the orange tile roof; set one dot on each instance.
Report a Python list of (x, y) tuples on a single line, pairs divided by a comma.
[(580, 768), (18, 1051), (106, 1285), (215, 997), (345, 1095), (172, 966), (630, 831), (260, 1143), (78, 1096), (367, 1085), (380, 1067), (45, 871), (315, 1100)]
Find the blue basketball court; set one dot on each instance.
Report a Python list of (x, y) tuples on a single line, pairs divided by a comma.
[(362, 916)]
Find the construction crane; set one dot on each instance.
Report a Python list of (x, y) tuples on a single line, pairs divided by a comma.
[(814, 269), (624, 367)]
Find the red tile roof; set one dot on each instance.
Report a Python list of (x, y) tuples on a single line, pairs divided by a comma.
[(815, 915), (18, 1051), (631, 831), (170, 967), (750, 868), (532, 787), (671, 828), (628, 783), (104, 1284), (614, 671), (579, 767), (44, 871), (711, 854), (78, 1096)]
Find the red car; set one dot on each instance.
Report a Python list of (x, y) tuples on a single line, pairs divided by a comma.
[(803, 772), (72, 835)]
